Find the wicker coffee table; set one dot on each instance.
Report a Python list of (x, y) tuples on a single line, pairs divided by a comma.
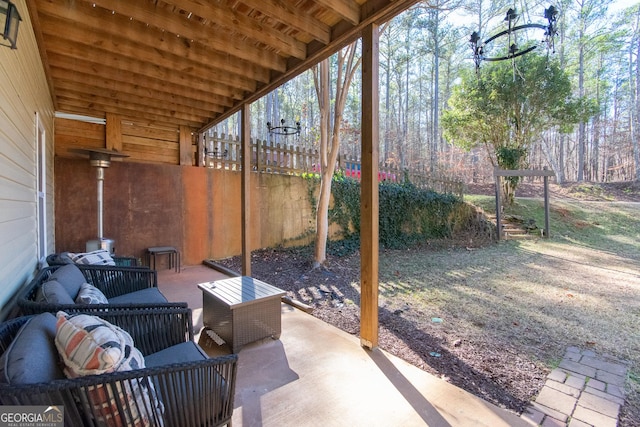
[(241, 310)]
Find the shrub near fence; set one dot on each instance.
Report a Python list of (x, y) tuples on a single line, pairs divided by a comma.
[(270, 157), (407, 214)]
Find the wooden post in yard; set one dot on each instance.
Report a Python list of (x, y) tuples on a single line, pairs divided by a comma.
[(369, 190), (498, 181), (245, 195), (547, 230), (545, 172)]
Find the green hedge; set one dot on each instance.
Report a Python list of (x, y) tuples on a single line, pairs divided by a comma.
[(408, 215)]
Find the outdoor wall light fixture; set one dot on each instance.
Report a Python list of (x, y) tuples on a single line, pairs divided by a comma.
[(284, 129), (480, 48), (12, 19)]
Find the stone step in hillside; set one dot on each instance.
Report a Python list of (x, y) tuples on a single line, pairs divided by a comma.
[(516, 227)]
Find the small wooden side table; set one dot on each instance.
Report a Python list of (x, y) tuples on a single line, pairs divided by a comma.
[(242, 310), (174, 256)]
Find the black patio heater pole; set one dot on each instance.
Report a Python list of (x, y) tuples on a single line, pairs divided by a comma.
[(100, 159)]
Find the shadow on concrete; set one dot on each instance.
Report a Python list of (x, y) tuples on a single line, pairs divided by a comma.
[(427, 412), (253, 384)]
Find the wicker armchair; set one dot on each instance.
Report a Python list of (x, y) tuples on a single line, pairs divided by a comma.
[(124, 287), (193, 389)]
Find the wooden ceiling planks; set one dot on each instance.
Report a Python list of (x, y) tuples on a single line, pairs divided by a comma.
[(187, 62)]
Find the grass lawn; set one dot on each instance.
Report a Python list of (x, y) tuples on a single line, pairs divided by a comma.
[(533, 297), (495, 318)]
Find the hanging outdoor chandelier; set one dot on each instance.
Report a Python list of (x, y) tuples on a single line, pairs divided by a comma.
[(215, 153), (213, 156), (481, 49), (283, 129)]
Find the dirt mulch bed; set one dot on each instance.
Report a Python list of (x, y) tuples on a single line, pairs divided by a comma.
[(487, 369)]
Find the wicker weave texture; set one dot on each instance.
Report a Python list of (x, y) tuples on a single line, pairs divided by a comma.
[(121, 261), (244, 324), (112, 281), (197, 393)]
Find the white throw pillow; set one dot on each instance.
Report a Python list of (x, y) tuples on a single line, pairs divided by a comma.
[(89, 294), (99, 257)]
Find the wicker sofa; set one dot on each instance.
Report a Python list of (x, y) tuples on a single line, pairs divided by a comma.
[(58, 288), (179, 385)]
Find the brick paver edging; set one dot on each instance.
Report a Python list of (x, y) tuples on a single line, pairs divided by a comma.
[(584, 390)]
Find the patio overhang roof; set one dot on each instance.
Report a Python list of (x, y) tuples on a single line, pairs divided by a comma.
[(188, 62), (193, 63)]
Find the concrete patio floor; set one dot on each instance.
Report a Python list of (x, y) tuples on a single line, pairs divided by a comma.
[(318, 375)]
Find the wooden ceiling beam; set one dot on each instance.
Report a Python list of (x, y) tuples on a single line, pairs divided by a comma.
[(89, 107), (76, 88), (343, 33), (297, 19), (35, 23), (160, 19), (105, 104), (73, 109), (137, 72), (98, 18), (160, 43), (117, 46), (348, 10), (152, 91), (231, 21), (233, 54), (143, 69), (113, 80)]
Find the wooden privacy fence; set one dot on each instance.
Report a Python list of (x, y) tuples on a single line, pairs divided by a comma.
[(224, 153), (351, 168), (268, 157)]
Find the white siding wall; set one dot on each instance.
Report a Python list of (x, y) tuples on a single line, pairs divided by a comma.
[(23, 92)]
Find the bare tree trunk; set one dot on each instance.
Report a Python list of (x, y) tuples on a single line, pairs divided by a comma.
[(321, 79), (330, 137), (436, 101), (420, 150), (387, 108), (405, 125), (597, 129), (636, 122), (560, 170), (582, 126)]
